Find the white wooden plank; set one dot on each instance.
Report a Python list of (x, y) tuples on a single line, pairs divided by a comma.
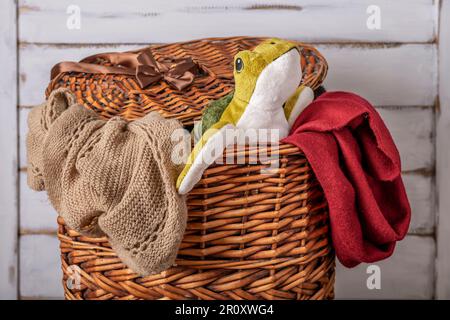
[(443, 157), (40, 267), (398, 75), (408, 274), (420, 190), (23, 129), (412, 130), (402, 75), (140, 21), (410, 127), (36, 213), (8, 146)]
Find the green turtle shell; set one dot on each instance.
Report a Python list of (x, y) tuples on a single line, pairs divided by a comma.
[(214, 110)]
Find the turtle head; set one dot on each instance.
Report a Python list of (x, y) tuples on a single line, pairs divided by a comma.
[(273, 66)]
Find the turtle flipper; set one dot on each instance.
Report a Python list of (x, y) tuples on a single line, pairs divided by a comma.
[(214, 111), (207, 150), (302, 97)]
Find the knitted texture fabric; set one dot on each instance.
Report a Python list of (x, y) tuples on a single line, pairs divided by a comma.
[(113, 178)]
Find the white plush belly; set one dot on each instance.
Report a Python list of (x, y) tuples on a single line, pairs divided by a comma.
[(261, 126)]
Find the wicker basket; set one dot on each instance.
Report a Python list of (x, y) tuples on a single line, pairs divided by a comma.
[(251, 234)]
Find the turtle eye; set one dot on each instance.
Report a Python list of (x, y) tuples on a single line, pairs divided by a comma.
[(239, 65)]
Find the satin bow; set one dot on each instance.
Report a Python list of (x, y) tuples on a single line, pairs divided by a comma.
[(179, 73)]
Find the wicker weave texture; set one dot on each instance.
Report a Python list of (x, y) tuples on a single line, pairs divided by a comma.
[(112, 95), (257, 229)]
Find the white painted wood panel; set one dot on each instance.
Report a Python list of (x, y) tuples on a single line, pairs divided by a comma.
[(8, 147), (36, 213), (23, 129), (420, 190), (443, 157), (403, 75), (395, 68), (140, 21), (40, 267), (397, 75), (412, 129), (407, 274)]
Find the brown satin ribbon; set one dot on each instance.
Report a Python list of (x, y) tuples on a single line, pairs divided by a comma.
[(179, 73)]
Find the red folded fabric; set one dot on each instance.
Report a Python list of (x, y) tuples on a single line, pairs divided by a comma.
[(358, 166)]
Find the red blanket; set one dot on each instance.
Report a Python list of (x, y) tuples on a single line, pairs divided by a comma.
[(358, 166)]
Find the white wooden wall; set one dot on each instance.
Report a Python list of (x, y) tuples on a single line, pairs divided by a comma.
[(396, 68)]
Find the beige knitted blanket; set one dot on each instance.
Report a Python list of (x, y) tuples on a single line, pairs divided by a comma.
[(113, 178)]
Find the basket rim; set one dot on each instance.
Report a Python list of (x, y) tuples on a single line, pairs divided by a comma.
[(118, 94), (301, 44)]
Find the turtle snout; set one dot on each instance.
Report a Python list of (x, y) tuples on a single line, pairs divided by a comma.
[(288, 72)]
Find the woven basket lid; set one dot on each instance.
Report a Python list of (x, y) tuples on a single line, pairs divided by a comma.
[(112, 95)]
